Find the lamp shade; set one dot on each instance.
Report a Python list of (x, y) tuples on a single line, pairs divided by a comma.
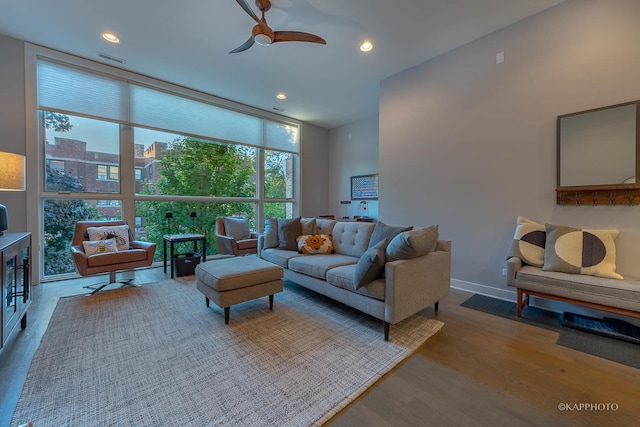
[(12, 167), (168, 215), (193, 215)]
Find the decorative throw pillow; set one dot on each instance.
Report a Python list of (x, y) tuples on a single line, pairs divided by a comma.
[(118, 232), (528, 242), (308, 225), (383, 231), (270, 232), (370, 265), (581, 251), (412, 244), (325, 226), (99, 247), (288, 232), (315, 244), (236, 227)]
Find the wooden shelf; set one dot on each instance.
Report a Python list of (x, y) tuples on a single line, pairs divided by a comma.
[(619, 194)]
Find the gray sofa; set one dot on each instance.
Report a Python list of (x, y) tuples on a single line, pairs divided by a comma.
[(405, 287), (613, 295)]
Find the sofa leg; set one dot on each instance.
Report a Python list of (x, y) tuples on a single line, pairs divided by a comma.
[(386, 331), (519, 303), (436, 305)]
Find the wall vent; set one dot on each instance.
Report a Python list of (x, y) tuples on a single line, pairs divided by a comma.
[(111, 58)]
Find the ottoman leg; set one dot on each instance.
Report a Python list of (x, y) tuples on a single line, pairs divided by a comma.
[(207, 301), (271, 302), (226, 315)]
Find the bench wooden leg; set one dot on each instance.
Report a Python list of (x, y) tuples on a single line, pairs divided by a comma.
[(226, 315), (271, 302), (519, 304)]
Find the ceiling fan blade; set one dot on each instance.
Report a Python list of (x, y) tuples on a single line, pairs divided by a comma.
[(246, 45), (296, 36), (243, 4)]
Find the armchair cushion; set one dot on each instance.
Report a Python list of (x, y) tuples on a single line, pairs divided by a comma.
[(118, 232), (237, 227), (100, 246)]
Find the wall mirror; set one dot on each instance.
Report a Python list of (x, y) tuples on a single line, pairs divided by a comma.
[(598, 155)]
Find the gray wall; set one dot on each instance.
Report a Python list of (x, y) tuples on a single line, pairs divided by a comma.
[(470, 144), (12, 123), (353, 150), (315, 160)]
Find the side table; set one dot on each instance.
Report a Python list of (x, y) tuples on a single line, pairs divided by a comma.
[(177, 238)]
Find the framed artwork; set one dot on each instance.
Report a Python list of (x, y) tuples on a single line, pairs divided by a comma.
[(364, 187)]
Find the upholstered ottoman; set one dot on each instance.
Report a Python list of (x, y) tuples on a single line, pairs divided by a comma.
[(229, 281)]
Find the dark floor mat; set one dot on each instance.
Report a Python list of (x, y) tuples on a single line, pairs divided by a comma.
[(608, 327), (606, 347)]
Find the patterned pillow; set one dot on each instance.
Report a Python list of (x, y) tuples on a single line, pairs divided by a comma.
[(315, 244), (118, 232), (99, 247), (581, 251), (528, 242)]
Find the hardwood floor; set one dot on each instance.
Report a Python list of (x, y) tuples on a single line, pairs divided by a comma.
[(478, 370)]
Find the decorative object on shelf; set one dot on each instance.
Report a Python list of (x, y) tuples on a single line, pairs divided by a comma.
[(193, 216), (12, 178), (364, 187), (169, 218), (362, 211), (345, 204)]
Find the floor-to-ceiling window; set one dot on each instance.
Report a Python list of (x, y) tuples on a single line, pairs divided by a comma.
[(112, 147)]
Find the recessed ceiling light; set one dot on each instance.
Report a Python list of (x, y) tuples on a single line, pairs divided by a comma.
[(366, 46), (110, 37), (281, 96)]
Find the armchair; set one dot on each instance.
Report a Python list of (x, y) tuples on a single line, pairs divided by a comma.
[(138, 254), (233, 236)]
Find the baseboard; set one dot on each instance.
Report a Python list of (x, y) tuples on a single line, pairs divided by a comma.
[(489, 291)]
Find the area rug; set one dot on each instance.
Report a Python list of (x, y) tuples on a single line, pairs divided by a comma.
[(155, 355), (623, 352)]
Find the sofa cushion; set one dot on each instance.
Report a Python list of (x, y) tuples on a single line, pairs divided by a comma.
[(581, 251), (383, 231), (271, 233), (99, 246), (370, 265), (308, 226), (342, 277), (118, 232), (325, 226), (236, 227), (315, 244), (318, 265), (279, 257), (528, 242), (412, 244), (288, 232), (352, 238)]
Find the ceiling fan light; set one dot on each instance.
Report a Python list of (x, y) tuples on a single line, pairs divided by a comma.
[(262, 39)]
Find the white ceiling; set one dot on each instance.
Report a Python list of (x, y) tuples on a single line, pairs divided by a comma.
[(187, 42)]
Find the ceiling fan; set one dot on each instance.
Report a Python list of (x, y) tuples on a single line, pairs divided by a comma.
[(264, 35)]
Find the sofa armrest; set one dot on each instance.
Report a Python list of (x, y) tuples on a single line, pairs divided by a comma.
[(414, 284), (226, 245), (514, 264)]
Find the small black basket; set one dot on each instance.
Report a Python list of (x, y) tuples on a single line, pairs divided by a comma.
[(185, 264)]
